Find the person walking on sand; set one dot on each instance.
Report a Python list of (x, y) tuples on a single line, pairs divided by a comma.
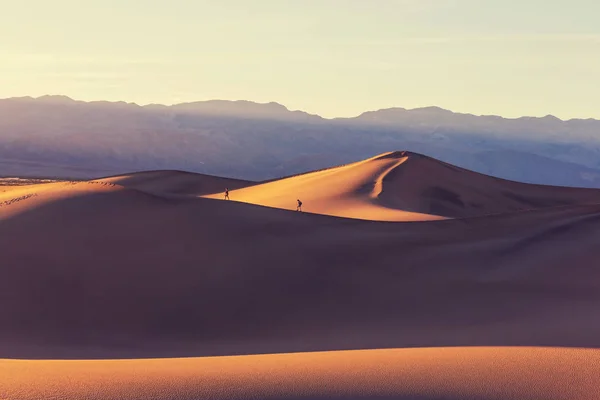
[(226, 194), (299, 208)]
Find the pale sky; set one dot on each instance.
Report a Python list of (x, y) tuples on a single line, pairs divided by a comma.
[(330, 57)]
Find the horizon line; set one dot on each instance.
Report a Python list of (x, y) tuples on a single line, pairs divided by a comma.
[(146, 105)]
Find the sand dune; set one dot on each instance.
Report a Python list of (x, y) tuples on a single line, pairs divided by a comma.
[(118, 272), (431, 186), (19, 199), (403, 186), (347, 191), (96, 270), (409, 374), (176, 182)]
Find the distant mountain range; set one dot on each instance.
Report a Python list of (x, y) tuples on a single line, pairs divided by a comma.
[(58, 136)]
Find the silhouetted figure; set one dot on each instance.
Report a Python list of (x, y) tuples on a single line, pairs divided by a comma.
[(299, 208), (226, 194)]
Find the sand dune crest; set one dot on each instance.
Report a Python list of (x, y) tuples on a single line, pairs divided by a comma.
[(350, 191), (404, 186), (176, 182)]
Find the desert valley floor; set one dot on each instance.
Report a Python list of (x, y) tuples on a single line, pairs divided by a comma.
[(403, 278)]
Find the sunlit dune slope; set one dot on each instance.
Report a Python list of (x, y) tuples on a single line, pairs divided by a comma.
[(10, 184), (403, 186), (96, 270), (351, 190), (17, 199), (176, 182), (9, 188), (405, 374)]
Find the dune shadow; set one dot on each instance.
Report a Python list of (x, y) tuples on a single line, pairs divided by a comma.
[(124, 274), (174, 182)]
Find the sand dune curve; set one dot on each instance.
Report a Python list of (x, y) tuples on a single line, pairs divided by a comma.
[(404, 186), (347, 191), (28, 197), (428, 185), (176, 182)]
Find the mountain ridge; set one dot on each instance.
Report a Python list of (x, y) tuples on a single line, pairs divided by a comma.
[(62, 137), (282, 108)]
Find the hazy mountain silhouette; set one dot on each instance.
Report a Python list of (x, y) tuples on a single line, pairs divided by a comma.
[(445, 120), (246, 109), (59, 136)]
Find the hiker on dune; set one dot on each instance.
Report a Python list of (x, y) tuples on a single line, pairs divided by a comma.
[(299, 208), (226, 194)]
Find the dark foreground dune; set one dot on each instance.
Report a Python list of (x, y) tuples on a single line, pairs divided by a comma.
[(98, 271), (133, 275)]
